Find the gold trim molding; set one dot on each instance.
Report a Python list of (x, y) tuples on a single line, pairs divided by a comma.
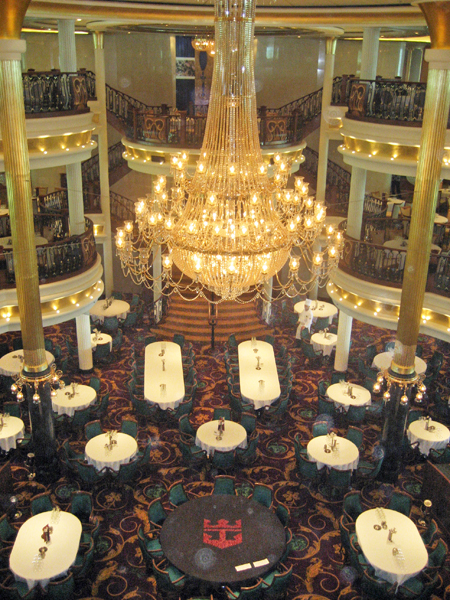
[(12, 14), (437, 15), (58, 143)]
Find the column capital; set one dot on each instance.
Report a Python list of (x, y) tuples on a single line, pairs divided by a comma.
[(11, 49), (330, 45), (437, 16), (438, 59), (12, 13)]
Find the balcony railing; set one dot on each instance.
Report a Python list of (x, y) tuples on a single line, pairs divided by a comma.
[(57, 259), (53, 91)]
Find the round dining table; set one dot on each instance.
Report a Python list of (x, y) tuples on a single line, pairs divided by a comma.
[(345, 394), (324, 342), (12, 430), (223, 539), (66, 402), (99, 454), (234, 436), (26, 562), (436, 436), (12, 363), (383, 361), (343, 458), (117, 308), (318, 309), (397, 560), (100, 339)]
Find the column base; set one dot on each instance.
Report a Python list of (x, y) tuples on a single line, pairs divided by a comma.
[(85, 371)]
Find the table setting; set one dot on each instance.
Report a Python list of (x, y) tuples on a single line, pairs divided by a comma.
[(220, 435), (318, 309), (111, 307), (12, 363), (382, 362), (259, 382), (324, 341), (110, 449), (11, 429), (163, 375), (428, 434), (98, 338), (391, 543), (46, 547), (72, 397), (333, 451), (345, 394)]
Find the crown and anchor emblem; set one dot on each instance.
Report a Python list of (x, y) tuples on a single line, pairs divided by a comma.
[(222, 535)]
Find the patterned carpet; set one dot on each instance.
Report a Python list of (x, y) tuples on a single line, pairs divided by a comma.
[(319, 573)]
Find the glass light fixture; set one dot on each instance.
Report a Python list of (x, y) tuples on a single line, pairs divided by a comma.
[(230, 227)]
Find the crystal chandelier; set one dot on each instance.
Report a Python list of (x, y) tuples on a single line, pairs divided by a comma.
[(230, 227), (204, 44)]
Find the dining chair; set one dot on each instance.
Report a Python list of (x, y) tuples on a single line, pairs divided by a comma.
[(176, 494), (289, 537), (222, 412), (94, 382), (145, 455), (184, 408), (13, 409), (247, 456), (89, 474), (193, 455), (100, 407), (320, 428), (321, 323), (351, 505), (355, 414), (276, 582), (184, 425), (337, 377), (150, 547), (338, 481), (357, 558), (102, 353), (130, 320), (8, 533), (325, 406), (355, 435), (369, 469), (130, 427), (270, 339), (371, 352), (60, 588), (83, 561), (346, 530), (17, 590), (92, 429), (223, 460), (169, 580), (80, 418), (440, 457), (128, 471), (4, 349), (429, 533), (156, 513), (307, 469), (248, 422), (375, 587), (110, 325), (401, 502), (253, 592), (232, 342), (420, 587), (313, 357), (274, 413), (263, 494), (224, 485), (437, 557), (283, 513), (17, 343), (299, 447), (41, 503), (150, 339)]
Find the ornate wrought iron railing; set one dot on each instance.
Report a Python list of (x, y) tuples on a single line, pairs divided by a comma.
[(121, 207), (58, 259), (53, 91), (387, 99), (90, 170)]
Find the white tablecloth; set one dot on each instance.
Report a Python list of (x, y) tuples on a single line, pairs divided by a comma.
[(437, 438), (319, 309), (10, 364), (118, 308), (402, 244), (261, 387), (102, 338), (63, 404), (12, 430), (6, 242), (61, 552), (345, 457), (4, 211), (325, 344), (234, 436), (383, 361), (412, 556), (338, 392), (165, 388), (440, 219), (122, 452)]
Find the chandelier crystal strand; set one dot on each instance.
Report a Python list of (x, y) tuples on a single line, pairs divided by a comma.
[(230, 227)]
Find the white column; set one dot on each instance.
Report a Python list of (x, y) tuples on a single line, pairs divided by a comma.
[(401, 59), (67, 48), (75, 195), (100, 88), (343, 342), (327, 93), (356, 202), (369, 53), (267, 305), (157, 268), (84, 343)]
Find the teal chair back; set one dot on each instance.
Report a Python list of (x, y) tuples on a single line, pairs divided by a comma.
[(223, 460), (263, 494), (401, 502), (130, 427), (92, 429), (177, 495), (224, 485)]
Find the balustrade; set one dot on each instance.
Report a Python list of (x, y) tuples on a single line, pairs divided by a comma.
[(53, 91)]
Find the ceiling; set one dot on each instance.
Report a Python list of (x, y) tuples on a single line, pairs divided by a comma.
[(397, 18)]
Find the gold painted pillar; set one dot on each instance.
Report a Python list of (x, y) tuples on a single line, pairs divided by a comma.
[(18, 183), (436, 110)]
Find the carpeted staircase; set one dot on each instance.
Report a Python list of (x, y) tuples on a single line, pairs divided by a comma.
[(191, 319)]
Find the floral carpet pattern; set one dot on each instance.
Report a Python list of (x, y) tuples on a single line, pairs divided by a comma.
[(318, 569)]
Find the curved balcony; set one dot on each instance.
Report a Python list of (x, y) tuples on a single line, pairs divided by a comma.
[(368, 283)]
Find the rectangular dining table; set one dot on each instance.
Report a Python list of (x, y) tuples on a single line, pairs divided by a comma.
[(163, 375), (260, 386), (26, 562)]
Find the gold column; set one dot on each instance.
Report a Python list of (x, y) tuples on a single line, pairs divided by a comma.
[(17, 167), (437, 103)]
